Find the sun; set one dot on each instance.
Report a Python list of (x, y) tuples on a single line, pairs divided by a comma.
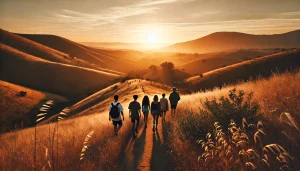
[(151, 37)]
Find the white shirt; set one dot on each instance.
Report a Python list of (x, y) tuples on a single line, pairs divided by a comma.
[(120, 107)]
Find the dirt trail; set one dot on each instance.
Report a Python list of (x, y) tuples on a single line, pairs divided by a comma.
[(147, 151)]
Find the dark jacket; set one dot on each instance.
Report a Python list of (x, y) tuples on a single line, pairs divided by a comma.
[(174, 98), (155, 108)]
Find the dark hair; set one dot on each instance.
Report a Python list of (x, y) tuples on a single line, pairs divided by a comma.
[(135, 97), (116, 97), (155, 98), (146, 101), (163, 94)]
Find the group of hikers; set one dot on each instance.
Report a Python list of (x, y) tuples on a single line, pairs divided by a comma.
[(157, 108)]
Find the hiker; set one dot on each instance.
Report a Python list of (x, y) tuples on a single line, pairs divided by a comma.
[(174, 98), (115, 109), (156, 112), (135, 114), (164, 105), (146, 109)]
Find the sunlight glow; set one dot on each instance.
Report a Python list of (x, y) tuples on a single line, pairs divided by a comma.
[(152, 37)]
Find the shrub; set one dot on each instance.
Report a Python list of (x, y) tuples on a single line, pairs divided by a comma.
[(22, 93), (236, 106)]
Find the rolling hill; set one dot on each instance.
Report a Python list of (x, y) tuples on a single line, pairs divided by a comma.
[(68, 80), (263, 66), (17, 111), (95, 56), (222, 41), (211, 61)]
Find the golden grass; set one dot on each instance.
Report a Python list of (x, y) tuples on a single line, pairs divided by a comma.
[(18, 147), (68, 80), (17, 111), (246, 70), (278, 94)]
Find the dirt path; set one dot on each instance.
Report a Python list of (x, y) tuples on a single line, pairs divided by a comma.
[(147, 151)]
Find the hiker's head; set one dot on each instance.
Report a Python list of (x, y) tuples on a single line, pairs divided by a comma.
[(155, 98), (174, 89), (135, 97), (116, 97), (146, 100), (163, 95)]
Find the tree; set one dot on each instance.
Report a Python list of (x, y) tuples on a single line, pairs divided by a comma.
[(167, 66), (153, 67)]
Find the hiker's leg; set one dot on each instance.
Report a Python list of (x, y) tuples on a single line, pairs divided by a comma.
[(156, 120), (133, 125), (120, 125), (137, 124)]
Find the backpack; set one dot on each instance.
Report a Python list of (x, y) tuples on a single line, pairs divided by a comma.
[(114, 111)]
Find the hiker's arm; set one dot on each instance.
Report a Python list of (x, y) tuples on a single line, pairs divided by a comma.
[(109, 118), (122, 113), (140, 113), (129, 113)]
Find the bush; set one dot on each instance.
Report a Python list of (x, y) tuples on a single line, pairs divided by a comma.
[(237, 107), (22, 93)]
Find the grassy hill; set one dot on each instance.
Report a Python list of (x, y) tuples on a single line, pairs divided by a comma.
[(222, 41), (262, 66), (160, 75), (18, 111), (68, 80), (211, 61), (95, 56)]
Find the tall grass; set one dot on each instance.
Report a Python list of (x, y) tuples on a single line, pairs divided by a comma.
[(274, 106)]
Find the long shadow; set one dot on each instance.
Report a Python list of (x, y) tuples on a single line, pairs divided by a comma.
[(138, 148)]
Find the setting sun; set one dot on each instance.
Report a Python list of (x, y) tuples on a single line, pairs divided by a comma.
[(152, 37)]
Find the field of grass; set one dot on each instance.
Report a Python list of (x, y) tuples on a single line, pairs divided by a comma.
[(67, 80), (263, 66), (17, 111), (203, 126), (59, 145)]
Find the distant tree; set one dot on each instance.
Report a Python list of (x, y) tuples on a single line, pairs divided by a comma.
[(201, 75), (167, 66), (153, 67), (204, 60)]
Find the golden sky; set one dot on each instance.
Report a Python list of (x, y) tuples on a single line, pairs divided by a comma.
[(133, 21)]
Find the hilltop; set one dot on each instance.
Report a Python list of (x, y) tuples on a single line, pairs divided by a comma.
[(222, 41)]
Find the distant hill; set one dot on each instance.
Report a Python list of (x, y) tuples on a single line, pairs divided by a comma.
[(160, 75), (212, 61), (263, 66), (93, 55), (68, 80), (222, 41), (122, 45)]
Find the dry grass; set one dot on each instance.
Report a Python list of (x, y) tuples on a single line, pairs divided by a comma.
[(275, 96), (17, 111), (68, 80), (17, 149), (263, 66)]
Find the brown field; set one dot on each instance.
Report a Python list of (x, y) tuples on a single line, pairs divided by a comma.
[(62, 79), (17, 149), (246, 70), (275, 95), (17, 110)]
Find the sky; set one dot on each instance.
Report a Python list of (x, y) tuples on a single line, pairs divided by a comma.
[(142, 21)]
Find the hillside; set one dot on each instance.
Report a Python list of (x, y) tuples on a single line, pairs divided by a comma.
[(211, 61), (160, 75), (18, 111), (95, 56), (221, 41), (262, 66), (68, 80), (73, 131)]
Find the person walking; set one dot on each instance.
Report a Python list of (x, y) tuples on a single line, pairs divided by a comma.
[(115, 112), (156, 112), (174, 99), (164, 104), (146, 109), (135, 114)]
